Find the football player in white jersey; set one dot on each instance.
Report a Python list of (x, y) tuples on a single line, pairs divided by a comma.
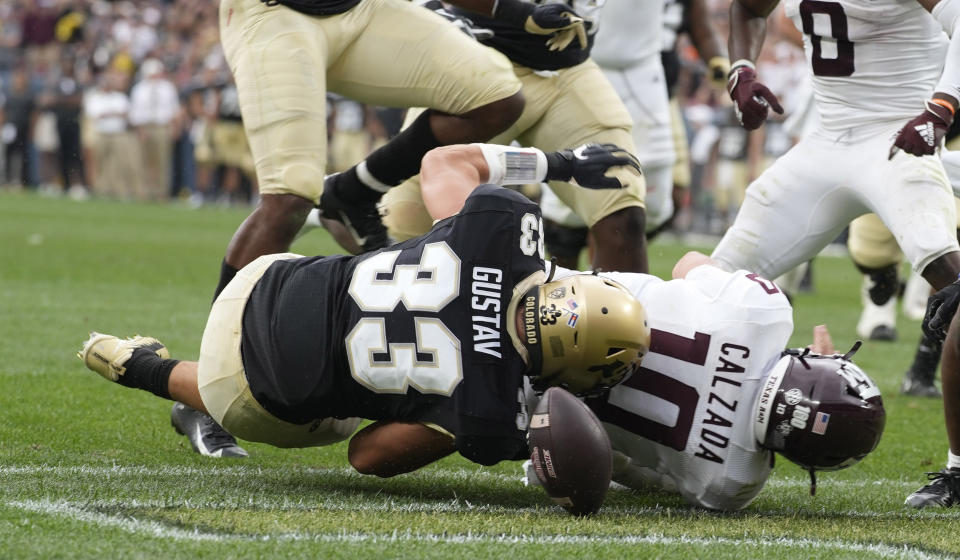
[(882, 70), (717, 394), (633, 64)]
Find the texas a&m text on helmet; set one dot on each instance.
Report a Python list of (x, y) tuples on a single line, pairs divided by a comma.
[(821, 412)]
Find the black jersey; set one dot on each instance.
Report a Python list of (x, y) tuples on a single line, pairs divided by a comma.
[(528, 49), (413, 332), (316, 7)]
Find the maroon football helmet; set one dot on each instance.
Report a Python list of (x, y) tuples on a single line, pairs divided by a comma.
[(821, 412)]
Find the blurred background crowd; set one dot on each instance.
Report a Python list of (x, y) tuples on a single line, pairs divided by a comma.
[(133, 100)]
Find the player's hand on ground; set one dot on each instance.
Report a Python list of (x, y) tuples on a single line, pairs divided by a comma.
[(923, 134), (593, 166), (941, 307), (752, 100), (822, 344), (559, 21)]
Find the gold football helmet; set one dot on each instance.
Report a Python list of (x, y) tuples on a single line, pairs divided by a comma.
[(584, 333)]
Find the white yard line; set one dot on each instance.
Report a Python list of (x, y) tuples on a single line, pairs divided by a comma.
[(160, 530), (447, 473)]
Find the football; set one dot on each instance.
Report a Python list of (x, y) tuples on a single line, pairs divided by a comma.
[(570, 452)]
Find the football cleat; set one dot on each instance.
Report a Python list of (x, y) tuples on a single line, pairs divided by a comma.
[(918, 385), (108, 355), (206, 436), (362, 221), (918, 381), (942, 491)]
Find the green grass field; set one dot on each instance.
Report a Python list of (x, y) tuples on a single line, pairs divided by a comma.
[(91, 470)]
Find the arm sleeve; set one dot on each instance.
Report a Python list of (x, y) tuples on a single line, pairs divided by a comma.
[(947, 12)]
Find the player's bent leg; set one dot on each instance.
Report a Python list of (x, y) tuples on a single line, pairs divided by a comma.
[(144, 363), (222, 381), (878, 296), (618, 241), (470, 89), (659, 200), (919, 380), (875, 253), (943, 270), (789, 214), (269, 229), (877, 256), (587, 109), (564, 243)]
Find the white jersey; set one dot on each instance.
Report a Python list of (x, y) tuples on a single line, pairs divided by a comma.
[(685, 420), (873, 61), (629, 33)]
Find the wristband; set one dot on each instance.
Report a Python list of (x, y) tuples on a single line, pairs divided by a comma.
[(743, 62), (944, 103), (514, 166)]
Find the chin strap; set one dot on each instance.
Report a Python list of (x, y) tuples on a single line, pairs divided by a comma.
[(553, 269), (852, 351), (813, 482)]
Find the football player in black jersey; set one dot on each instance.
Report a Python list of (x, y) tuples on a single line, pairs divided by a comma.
[(286, 54), (432, 338), (568, 102)]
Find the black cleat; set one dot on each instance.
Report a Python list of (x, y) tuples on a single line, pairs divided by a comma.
[(361, 220), (206, 436), (919, 385), (942, 491), (884, 333)]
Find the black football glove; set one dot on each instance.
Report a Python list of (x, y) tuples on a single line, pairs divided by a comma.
[(941, 307), (553, 19), (593, 166)]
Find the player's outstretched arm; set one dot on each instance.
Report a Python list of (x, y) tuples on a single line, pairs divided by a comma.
[(690, 261), (923, 134), (387, 448), (748, 27), (708, 42), (450, 173)]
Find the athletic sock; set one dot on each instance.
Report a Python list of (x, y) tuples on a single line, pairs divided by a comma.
[(389, 165), (227, 273), (145, 370), (953, 461)]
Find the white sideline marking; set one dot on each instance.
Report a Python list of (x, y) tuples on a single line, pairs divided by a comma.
[(160, 530)]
